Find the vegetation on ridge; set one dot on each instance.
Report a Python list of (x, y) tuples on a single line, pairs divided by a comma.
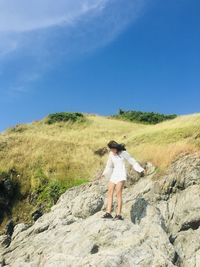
[(143, 117), (65, 116)]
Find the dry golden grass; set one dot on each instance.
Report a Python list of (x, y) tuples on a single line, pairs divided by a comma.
[(162, 155), (66, 151)]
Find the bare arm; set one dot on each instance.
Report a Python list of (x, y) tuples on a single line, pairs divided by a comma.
[(136, 166)]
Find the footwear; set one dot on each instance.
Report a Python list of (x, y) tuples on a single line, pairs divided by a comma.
[(107, 215), (118, 217)]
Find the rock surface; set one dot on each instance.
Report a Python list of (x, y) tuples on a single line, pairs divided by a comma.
[(160, 229)]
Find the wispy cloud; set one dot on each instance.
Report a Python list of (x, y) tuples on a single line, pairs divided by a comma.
[(23, 15), (43, 33)]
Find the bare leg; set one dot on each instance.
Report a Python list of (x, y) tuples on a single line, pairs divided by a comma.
[(119, 188), (111, 187)]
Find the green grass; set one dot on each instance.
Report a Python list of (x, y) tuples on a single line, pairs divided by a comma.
[(51, 190)]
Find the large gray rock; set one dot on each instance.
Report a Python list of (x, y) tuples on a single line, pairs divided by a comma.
[(160, 229), (18, 229)]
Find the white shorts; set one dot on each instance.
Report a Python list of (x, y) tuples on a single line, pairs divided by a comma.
[(115, 181), (118, 175)]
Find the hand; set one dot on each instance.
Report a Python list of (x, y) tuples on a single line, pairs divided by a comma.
[(142, 174)]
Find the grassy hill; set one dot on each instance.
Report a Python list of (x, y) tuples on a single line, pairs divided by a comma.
[(45, 159)]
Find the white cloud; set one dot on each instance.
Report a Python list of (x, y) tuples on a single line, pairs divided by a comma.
[(22, 20), (23, 15), (43, 33)]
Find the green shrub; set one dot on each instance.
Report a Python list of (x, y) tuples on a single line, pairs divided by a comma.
[(143, 117), (38, 180), (64, 117), (49, 193), (53, 191)]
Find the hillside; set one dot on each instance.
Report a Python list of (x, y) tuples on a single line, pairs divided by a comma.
[(161, 225), (44, 160)]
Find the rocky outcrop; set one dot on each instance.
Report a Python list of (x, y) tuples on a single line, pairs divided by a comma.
[(9, 192), (160, 229)]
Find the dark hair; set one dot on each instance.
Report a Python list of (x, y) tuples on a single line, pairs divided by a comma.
[(114, 144)]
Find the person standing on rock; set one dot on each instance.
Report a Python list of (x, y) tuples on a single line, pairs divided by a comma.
[(115, 171)]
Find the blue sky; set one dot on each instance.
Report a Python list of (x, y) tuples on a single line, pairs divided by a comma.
[(98, 56)]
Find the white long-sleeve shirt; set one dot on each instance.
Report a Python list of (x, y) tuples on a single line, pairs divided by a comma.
[(115, 167)]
